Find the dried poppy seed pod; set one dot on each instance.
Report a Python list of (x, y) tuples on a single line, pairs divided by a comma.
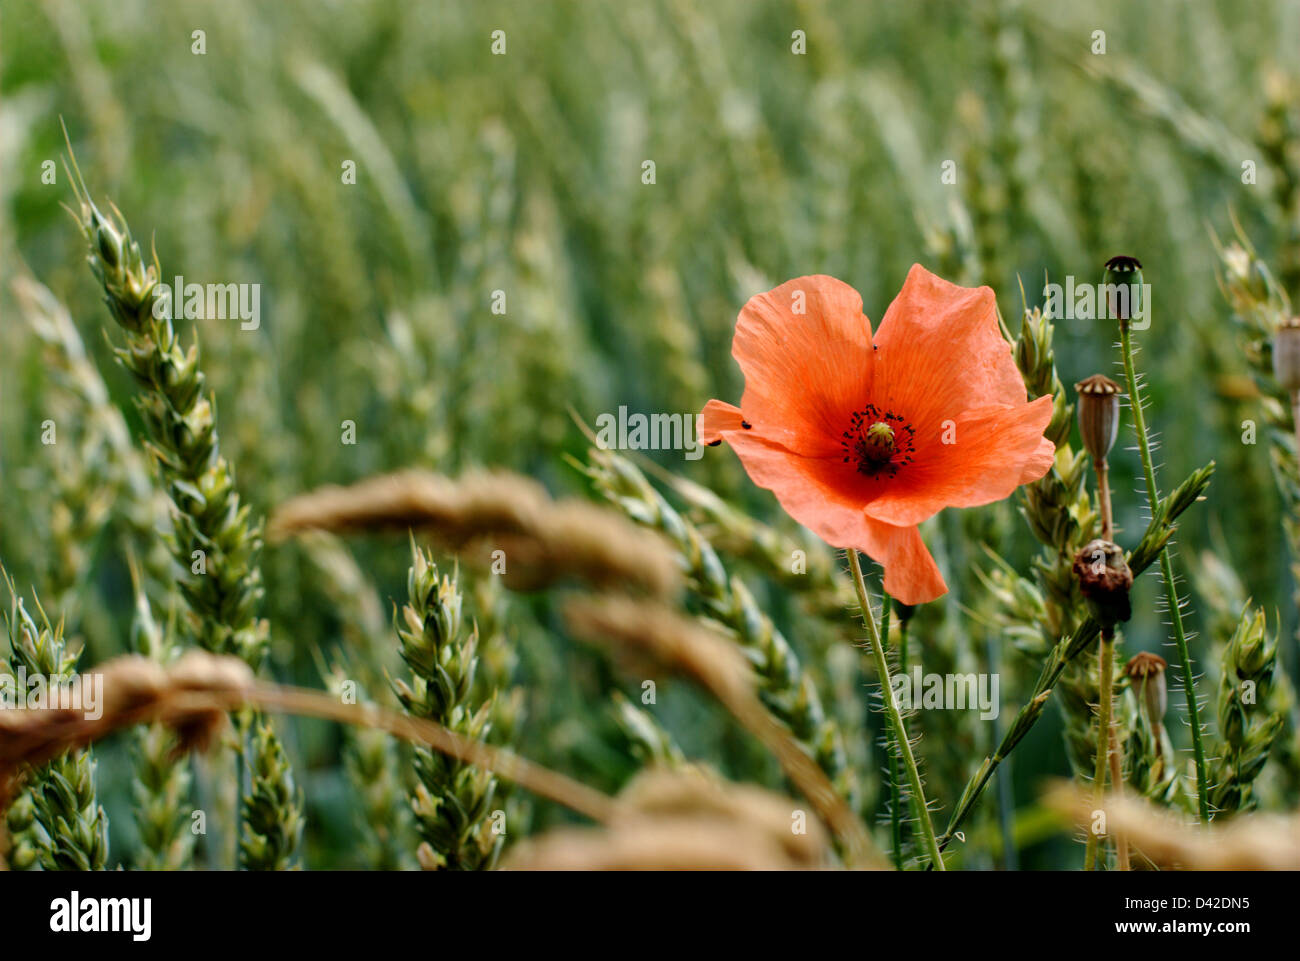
[(1105, 579), (1286, 355), (1147, 672), (1122, 287), (1098, 414)]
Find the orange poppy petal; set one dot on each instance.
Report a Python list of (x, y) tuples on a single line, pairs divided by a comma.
[(982, 457), (911, 575), (1040, 463), (718, 416), (940, 344), (805, 350), (803, 487)]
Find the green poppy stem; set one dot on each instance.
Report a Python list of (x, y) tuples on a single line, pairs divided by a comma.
[(1105, 684), (895, 797), (1167, 573), (897, 729)]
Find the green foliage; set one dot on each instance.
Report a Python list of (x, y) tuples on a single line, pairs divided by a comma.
[(521, 173)]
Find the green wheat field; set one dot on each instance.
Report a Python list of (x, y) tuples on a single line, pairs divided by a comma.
[(347, 550)]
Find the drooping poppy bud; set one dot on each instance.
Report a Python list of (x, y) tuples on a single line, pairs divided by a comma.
[(1105, 580), (1147, 672), (1098, 414)]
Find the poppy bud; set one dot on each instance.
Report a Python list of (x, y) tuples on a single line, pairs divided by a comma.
[(1286, 355), (1123, 286), (1147, 672), (1105, 579), (1098, 414), (903, 611)]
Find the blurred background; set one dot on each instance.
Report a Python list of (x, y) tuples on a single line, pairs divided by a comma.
[(522, 173)]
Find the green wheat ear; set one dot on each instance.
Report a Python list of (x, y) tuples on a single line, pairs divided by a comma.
[(272, 808), (208, 519), (1251, 713), (57, 823), (451, 800)]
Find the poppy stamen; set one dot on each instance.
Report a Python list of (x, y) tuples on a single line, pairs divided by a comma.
[(878, 442)]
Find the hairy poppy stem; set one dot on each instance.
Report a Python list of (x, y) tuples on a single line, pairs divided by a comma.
[(1105, 684), (895, 797), (1117, 781), (895, 718), (1167, 573), (904, 620)]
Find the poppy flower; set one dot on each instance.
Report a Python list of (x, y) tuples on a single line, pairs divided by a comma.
[(862, 437)]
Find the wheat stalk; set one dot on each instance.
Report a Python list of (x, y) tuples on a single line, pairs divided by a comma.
[(193, 697), (209, 520), (543, 541)]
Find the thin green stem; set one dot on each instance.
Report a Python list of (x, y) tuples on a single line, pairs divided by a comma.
[(895, 798), (1105, 685), (895, 718), (1167, 573), (1005, 799)]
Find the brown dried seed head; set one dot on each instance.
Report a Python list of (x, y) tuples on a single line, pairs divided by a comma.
[(1098, 414), (1105, 580)]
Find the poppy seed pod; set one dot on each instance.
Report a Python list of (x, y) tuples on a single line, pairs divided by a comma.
[(1105, 579), (1098, 414), (1122, 287), (1147, 672), (1286, 355)]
